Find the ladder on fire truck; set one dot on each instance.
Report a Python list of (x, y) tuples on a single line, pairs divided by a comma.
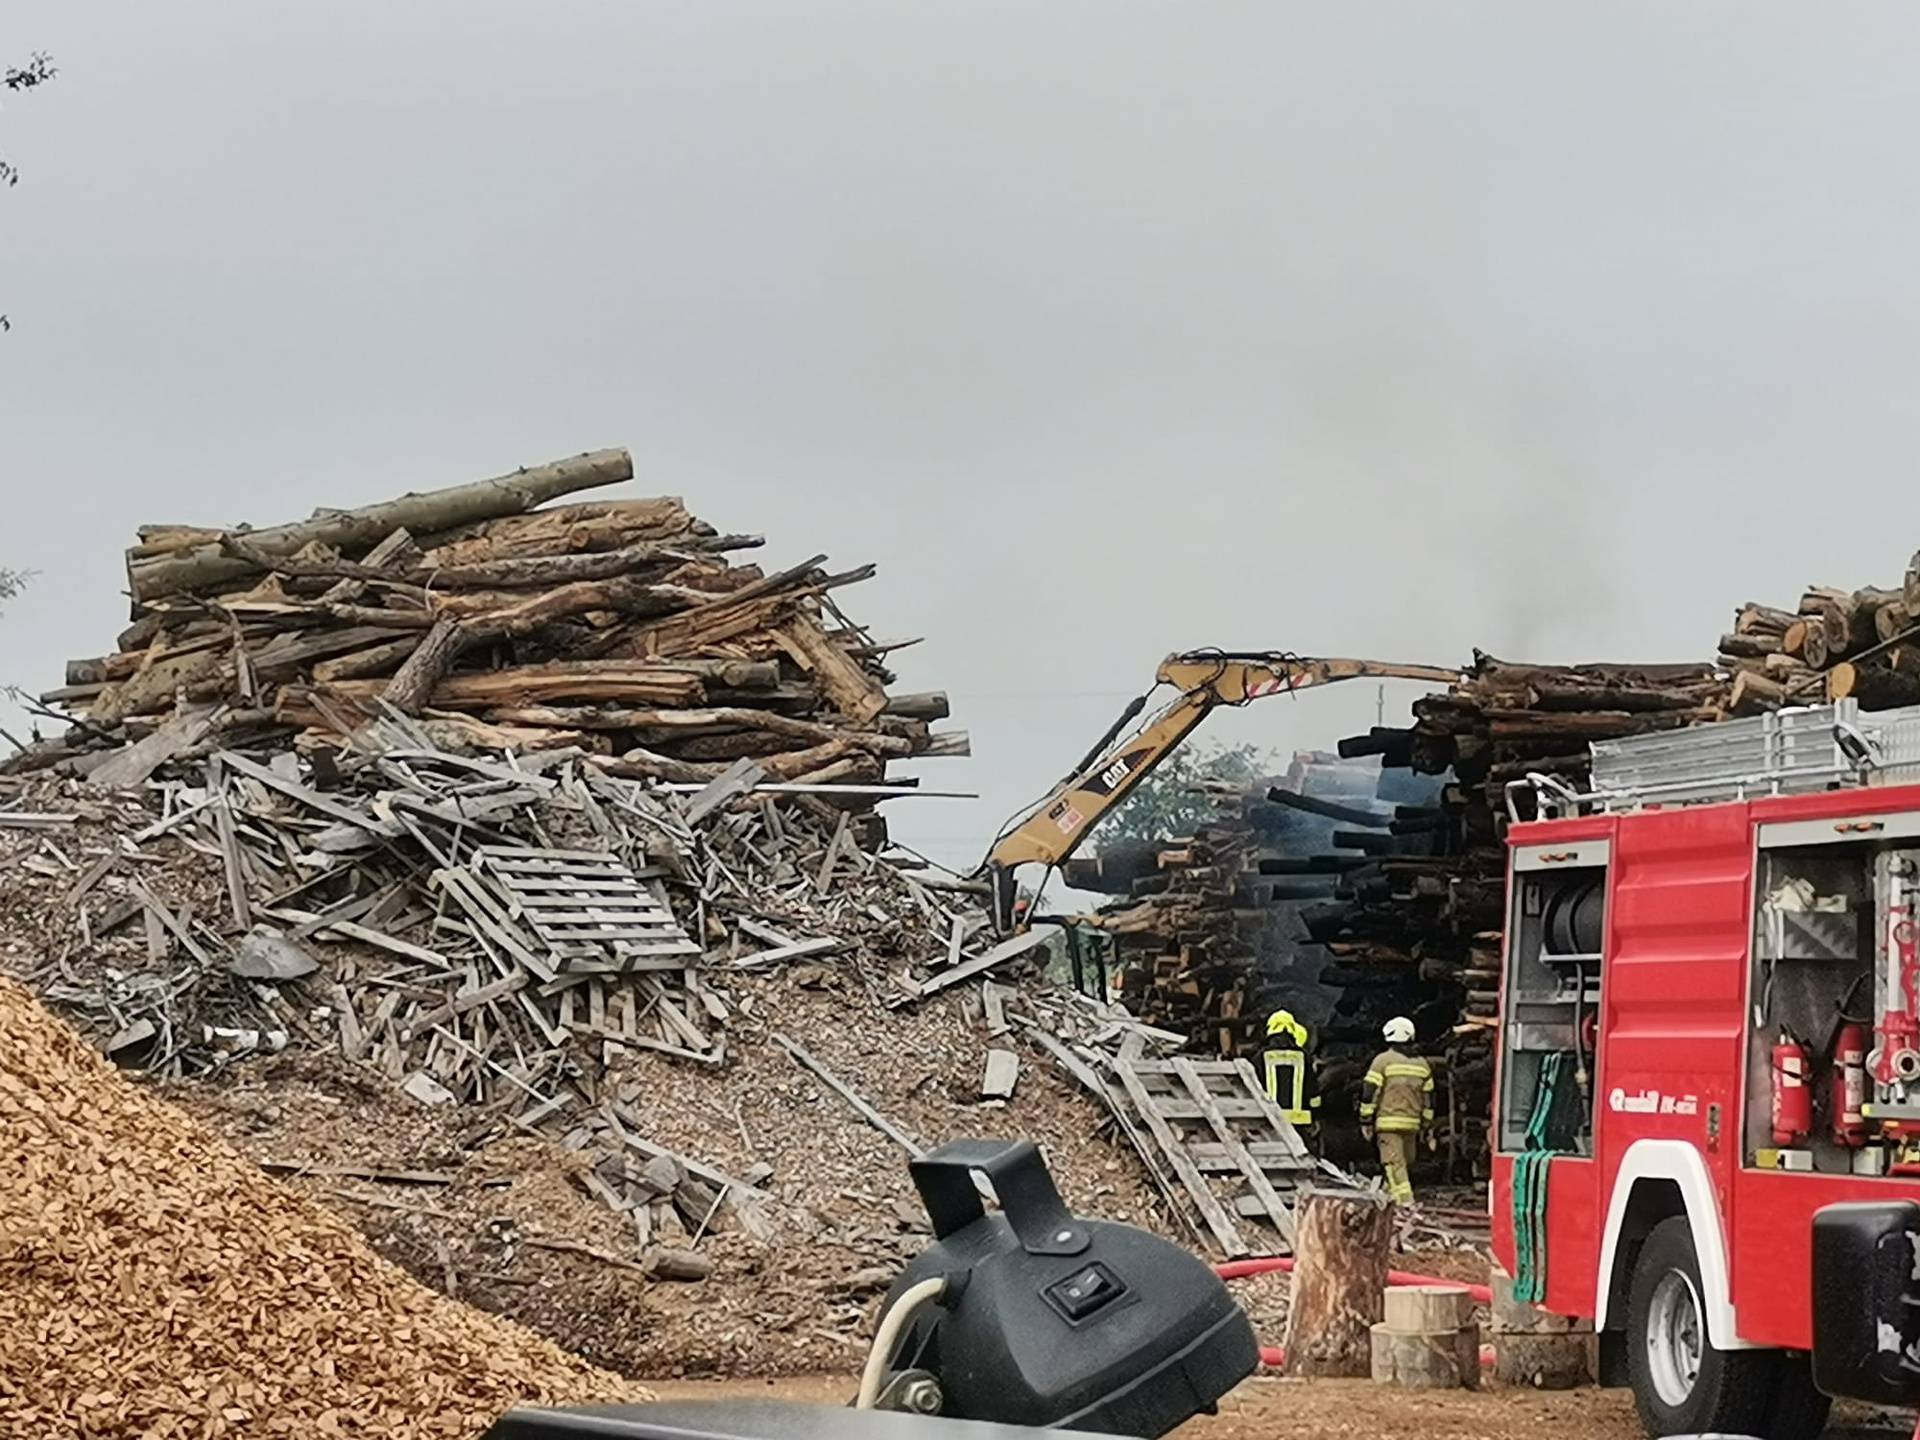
[(1788, 752)]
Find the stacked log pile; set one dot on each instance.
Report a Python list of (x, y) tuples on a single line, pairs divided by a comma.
[(618, 627), (1834, 644), (1319, 890)]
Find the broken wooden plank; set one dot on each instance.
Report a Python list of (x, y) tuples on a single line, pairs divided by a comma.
[(1002, 1073), (738, 779), (35, 820), (396, 1176), (312, 799), (847, 1093), (229, 850), (999, 955), (794, 951), (131, 766), (994, 1007)]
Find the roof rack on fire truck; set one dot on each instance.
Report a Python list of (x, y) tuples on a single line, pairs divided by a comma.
[(1788, 752)]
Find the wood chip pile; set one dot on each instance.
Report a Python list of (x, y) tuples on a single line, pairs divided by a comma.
[(618, 627), (154, 1284)]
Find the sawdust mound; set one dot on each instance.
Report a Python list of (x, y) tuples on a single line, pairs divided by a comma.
[(153, 1284)]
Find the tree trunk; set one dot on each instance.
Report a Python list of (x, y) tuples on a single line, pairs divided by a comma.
[(562, 530), (1341, 1243), (413, 685), (1754, 694), (1847, 624), (1749, 646), (511, 612), (854, 692), (374, 660), (1874, 687), (1756, 619), (537, 570), (1892, 620), (1426, 1360), (149, 577)]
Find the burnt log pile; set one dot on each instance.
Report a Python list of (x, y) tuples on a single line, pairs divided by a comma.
[(1351, 900), (1835, 644), (1483, 737), (1313, 890)]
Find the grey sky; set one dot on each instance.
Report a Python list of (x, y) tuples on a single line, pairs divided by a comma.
[(1105, 328)]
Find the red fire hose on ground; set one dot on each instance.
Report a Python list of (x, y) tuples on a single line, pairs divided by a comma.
[(1274, 1356)]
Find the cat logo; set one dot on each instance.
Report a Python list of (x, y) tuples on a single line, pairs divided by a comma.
[(1118, 773)]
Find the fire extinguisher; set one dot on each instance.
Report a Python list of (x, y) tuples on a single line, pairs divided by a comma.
[(1792, 1098), (1850, 1084)]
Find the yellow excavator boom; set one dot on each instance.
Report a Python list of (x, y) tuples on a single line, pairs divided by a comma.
[(1203, 680)]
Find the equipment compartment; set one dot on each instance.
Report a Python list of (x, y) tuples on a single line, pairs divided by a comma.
[(1556, 936), (1811, 1009)]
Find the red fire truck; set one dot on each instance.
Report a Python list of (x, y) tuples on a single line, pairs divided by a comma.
[(1707, 1127)]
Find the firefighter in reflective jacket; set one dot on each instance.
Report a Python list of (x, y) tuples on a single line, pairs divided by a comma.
[(1289, 1065), (1396, 1104)]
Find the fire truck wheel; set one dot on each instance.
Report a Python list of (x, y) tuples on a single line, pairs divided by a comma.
[(1681, 1384), (1799, 1411)]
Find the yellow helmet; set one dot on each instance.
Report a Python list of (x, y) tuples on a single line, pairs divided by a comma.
[(1281, 1022)]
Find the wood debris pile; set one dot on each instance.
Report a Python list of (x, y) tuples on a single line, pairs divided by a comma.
[(619, 628), (155, 1284), (1833, 645), (608, 879)]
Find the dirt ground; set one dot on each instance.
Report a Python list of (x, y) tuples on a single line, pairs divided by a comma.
[(1268, 1408), (1275, 1409)]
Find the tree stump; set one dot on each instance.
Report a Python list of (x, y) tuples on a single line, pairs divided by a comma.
[(1536, 1347), (1428, 1309), (1426, 1360), (1341, 1243), (1545, 1362)]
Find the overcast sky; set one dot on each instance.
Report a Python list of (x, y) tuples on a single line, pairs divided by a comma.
[(1105, 328)]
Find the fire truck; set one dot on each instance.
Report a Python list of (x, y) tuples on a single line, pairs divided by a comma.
[(1707, 1103)]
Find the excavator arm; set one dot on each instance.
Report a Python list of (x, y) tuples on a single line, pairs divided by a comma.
[(1203, 680)]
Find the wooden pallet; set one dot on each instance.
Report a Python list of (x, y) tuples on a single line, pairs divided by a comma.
[(1213, 1118), (586, 907)]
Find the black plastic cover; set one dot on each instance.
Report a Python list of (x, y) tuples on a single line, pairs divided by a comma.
[(1026, 1337), (741, 1420), (1866, 1301)]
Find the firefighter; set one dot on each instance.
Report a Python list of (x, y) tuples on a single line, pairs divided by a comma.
[(1396, 1105), (1288, 1058)]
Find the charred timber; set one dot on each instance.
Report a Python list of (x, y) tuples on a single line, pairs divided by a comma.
[(1346, 814)]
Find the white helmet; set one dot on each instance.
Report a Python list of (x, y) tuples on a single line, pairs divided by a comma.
[(1398, 1030)]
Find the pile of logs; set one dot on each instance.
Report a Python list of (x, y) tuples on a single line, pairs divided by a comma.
[(616, 627), (1320, 890), (1834, 645), (1501, 722), (1351, 893)]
